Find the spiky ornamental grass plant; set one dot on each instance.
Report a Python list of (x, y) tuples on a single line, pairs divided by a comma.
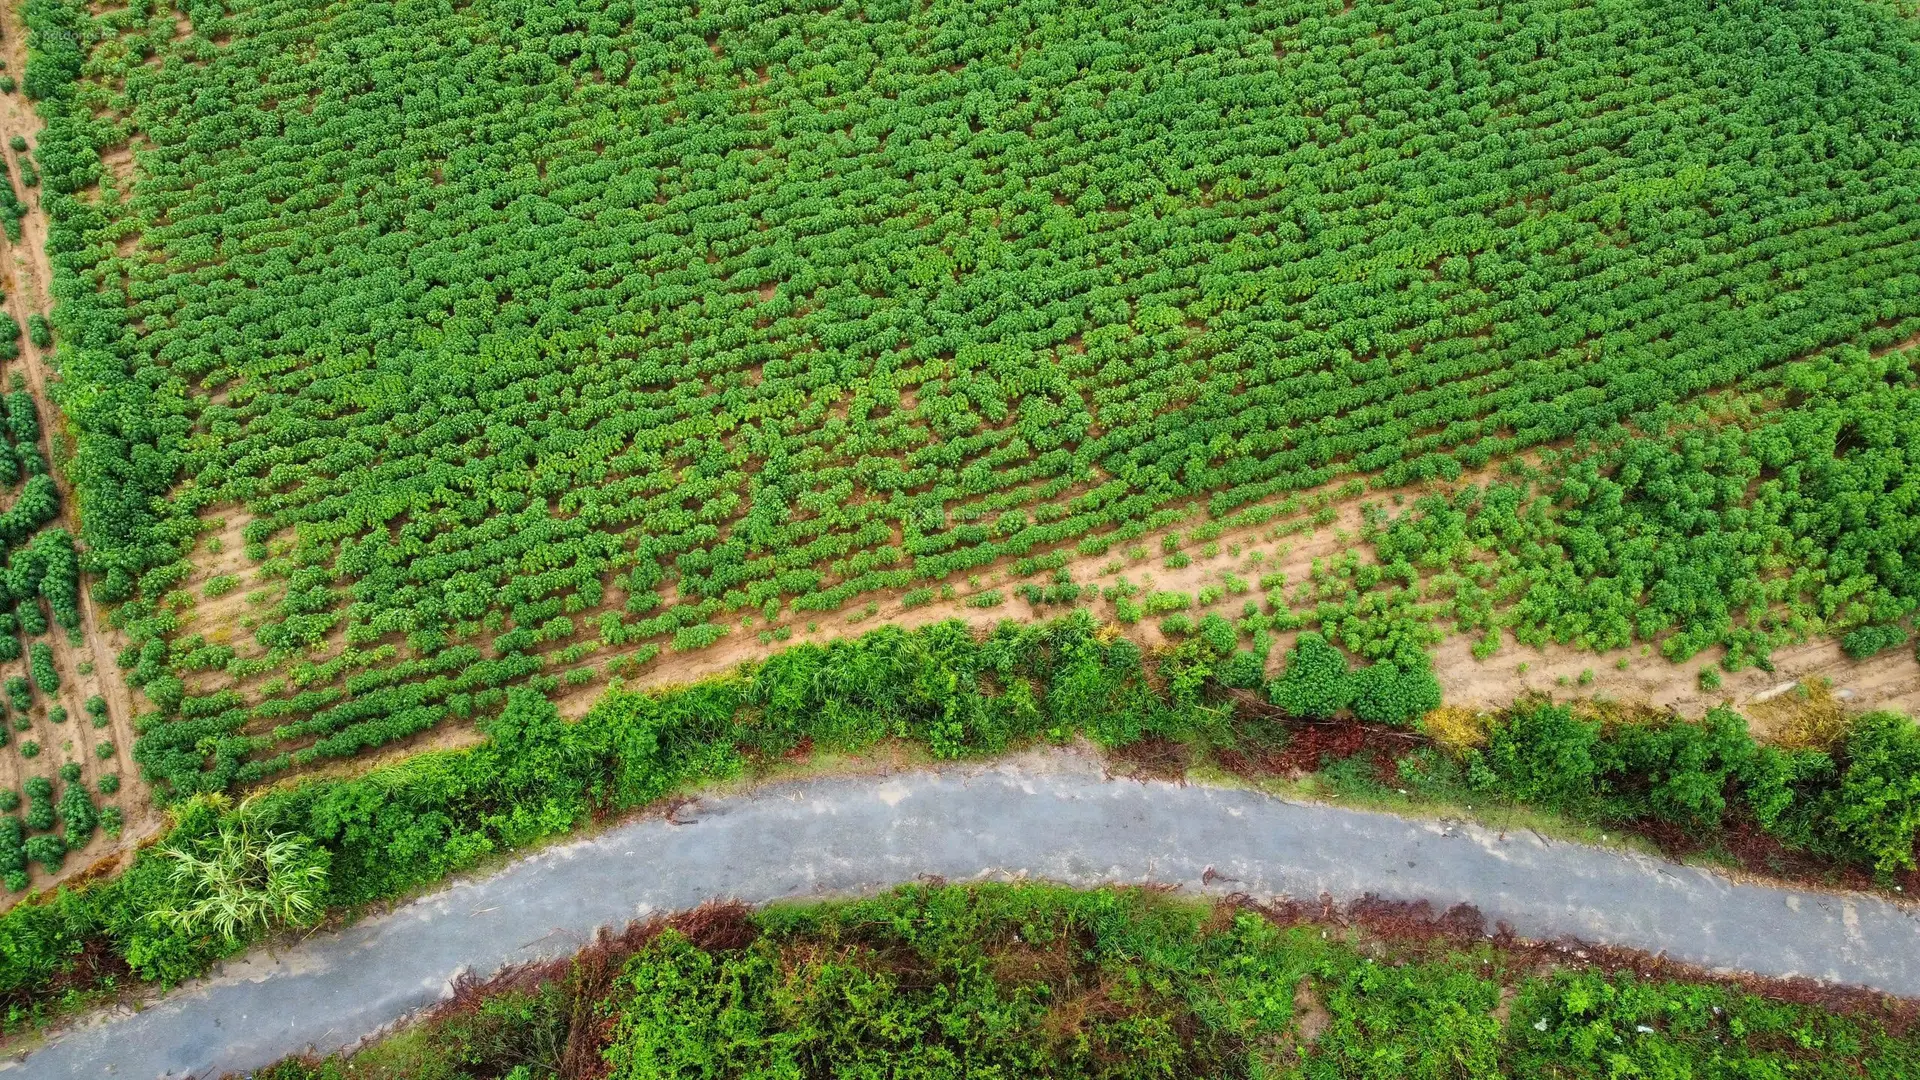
[(243, 876)]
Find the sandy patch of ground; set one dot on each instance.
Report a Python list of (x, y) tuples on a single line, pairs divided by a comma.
[(1888, 681)]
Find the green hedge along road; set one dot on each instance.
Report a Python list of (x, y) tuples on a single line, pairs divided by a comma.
[(1050, 815)]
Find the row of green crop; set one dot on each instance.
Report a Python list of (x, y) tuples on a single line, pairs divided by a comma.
[(1036, 981), (1684, 540), (411, 824), (526, 322)]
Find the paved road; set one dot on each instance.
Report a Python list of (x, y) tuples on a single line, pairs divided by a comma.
[(1048, 815)]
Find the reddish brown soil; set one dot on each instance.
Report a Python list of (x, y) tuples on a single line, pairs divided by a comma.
[(1152, 758), (1311, 744)]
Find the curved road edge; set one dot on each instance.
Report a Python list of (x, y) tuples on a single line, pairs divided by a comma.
[(1050, 815)]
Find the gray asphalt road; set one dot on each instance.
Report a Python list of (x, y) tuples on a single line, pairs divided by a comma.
[(1050, 815)]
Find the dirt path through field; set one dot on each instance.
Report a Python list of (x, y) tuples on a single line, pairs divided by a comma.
[(1049, 815), (87, 668), (1248, 554)]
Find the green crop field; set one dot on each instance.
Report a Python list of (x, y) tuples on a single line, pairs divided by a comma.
[(430, 428), (411, 351)]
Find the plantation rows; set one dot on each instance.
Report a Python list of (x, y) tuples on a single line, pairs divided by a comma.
[(39, 591), (527, 334)]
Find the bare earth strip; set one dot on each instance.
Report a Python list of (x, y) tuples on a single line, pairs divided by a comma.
[(1636, 675), (1051, 815)]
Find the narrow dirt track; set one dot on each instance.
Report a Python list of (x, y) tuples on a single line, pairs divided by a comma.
[(1048, 815)]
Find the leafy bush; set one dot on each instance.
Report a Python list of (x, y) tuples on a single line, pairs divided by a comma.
[(1676, 772), (1544, 755), (77, 815), (1314, 683), (19, 693), (1392, 692), (13, 854), (40, 662), (47, 849), (1869, 640), (1245, 670), (698, 636), (1162, 603), (39, 803), (1877, 808)]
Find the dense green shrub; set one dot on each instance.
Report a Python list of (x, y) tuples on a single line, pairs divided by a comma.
[(1394, 692), (47, 849), (1861, 808), (1877, 808), (1676, 772), (40, 661), (39, 803), (13, 854), (1544, 755), (1245, 670), (78, 816), (1035, 981), (19, 693), (1868, 640), (1314, 683)]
